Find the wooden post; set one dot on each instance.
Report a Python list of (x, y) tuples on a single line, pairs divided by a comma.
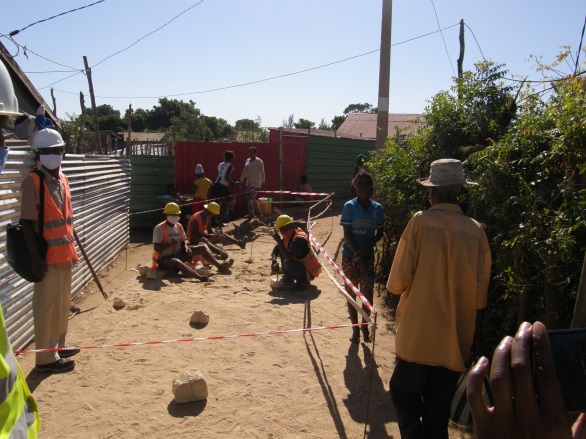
[(54, 103), (128, 142), (579, 319), (382, 118), (173, 140), (81, 122), (462, 46), (461, 59), (281, 158), (88, 73)]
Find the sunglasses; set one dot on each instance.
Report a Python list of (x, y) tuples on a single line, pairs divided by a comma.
[(50, 151)]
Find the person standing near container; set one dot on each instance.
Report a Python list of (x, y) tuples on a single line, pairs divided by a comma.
[(221, 187), (52, 295), (254, 173), (202, 187)]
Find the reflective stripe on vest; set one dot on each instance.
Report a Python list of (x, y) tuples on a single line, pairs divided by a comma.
[(201, 227), (19, 417), (310, 260), (57, 224), (156, 254)]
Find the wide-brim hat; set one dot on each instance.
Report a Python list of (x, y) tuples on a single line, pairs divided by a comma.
[(445, 172)]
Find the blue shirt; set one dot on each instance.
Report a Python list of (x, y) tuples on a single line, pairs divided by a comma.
[(364, 223)]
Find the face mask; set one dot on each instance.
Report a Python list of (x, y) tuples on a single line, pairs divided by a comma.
[(51, 161), (173, 219)]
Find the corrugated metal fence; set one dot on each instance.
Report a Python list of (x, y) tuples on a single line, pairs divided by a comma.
[(151, 177), (330, 163), (100, 187)]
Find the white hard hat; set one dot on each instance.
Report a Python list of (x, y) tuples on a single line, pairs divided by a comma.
[(199, 169), (8, 101), (47, 138)]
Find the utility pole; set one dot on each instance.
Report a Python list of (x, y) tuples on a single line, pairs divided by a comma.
[(462, 46), (88, 73), (129, 141), (382, 118), (81, 123)]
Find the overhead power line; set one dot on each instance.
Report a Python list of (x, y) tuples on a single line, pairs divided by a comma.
[(445, 45), (129, 46), (16, 32), (270, 78)]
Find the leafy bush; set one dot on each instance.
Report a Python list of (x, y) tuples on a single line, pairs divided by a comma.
[(527, 152)]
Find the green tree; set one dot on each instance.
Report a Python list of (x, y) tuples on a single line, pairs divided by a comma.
[(108, 118), (360, 108), (248, 130), (337, 121), (220, 128), (323, 125), (304, 123), (289, 122), (527, 153)]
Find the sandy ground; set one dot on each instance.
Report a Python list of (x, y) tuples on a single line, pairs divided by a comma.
[(297, 385)]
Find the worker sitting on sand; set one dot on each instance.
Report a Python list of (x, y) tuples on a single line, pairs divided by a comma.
[(171, 251), (300, 264), (199, 231)]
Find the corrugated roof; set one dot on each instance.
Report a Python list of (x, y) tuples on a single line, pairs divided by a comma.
[(28, 96), (363, 125)]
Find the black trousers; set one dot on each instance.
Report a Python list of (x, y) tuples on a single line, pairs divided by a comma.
[(422, 395)]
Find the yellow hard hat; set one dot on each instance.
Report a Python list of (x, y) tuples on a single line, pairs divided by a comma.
[(172, 209), (213, 208), (283, 220)]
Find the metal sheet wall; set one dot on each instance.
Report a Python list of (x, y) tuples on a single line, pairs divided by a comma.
[(331, 161), (100, 187), (150, 178)]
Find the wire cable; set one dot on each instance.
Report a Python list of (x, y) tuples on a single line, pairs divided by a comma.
[(479, 48), (16, 32), (266, 79), (128, 47), (441, 33), (26, 49), (150, 33)]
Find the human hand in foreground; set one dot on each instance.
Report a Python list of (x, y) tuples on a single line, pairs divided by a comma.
[(527, 397)]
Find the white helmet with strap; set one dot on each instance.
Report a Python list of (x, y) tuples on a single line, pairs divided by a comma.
[(8, 101), (47, 138)]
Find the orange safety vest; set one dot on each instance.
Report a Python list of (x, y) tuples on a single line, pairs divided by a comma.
[(310, 260), (156, 254), (201, 227), (57, 224)]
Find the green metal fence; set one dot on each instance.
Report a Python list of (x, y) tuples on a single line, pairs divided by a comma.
[(150, 178), (330, 163)]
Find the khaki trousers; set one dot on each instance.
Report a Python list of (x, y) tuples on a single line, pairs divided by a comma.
[(51, 302)]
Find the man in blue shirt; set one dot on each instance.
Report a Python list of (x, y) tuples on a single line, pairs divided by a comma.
[(363, 221)]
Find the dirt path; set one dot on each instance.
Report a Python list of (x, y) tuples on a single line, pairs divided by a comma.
[(297, 385)]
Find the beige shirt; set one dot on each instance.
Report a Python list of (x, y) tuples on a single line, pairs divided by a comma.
[(254, 171), (442, 270)]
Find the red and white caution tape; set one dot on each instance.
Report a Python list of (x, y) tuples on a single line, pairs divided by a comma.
[(185, 340)]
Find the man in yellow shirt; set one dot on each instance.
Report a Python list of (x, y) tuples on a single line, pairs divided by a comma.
[(441, 270), (202, 187)]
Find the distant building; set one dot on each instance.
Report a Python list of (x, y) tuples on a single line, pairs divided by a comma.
[(363, 125)]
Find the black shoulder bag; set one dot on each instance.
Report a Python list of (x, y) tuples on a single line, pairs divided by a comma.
[(18, 255)]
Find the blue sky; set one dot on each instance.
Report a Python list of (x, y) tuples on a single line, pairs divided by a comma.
[(222, 43)]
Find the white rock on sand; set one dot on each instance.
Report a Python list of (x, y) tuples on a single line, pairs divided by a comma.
[(191, 386)]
